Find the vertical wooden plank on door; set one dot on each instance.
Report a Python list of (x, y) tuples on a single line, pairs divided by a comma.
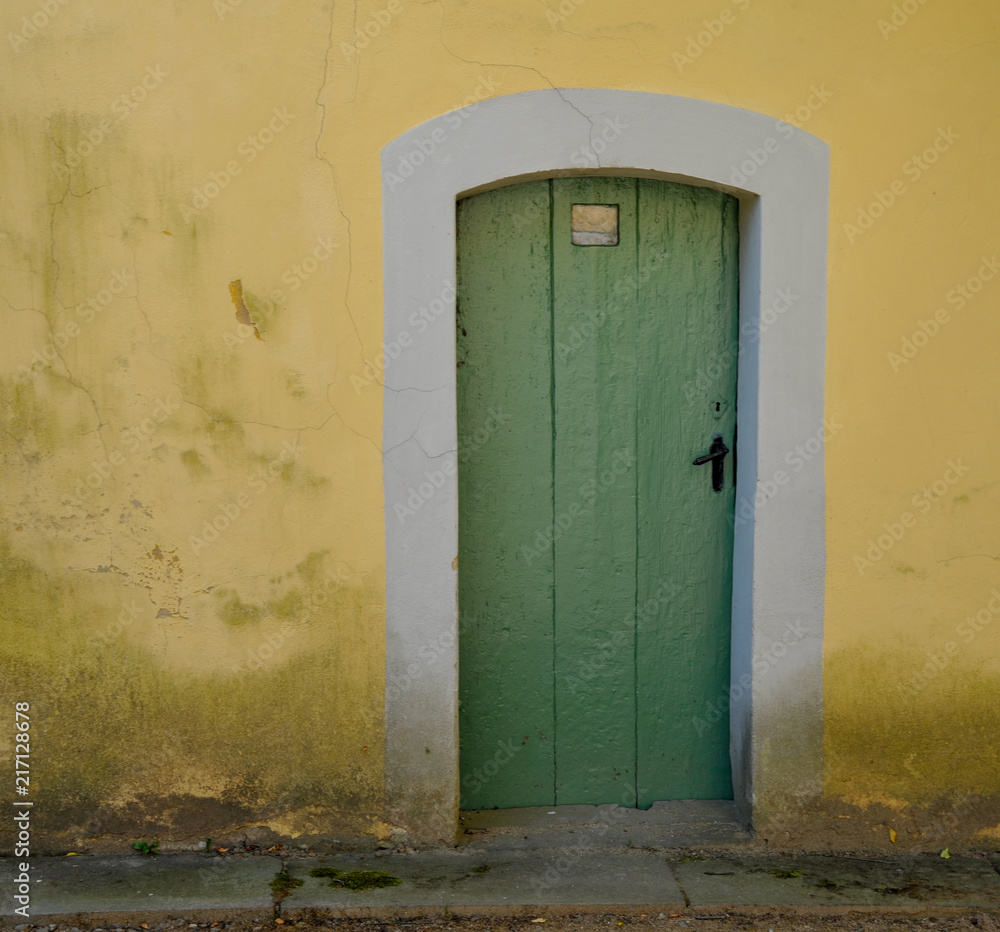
[(686, 342), (594, 384), (504, 353)]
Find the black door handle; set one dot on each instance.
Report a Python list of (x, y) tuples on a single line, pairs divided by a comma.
[(715, 455)]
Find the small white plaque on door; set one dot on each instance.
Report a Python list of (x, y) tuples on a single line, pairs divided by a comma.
[(594, 224)]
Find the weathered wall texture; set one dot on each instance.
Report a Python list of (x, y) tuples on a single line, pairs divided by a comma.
[(192, 539), (191, 502)]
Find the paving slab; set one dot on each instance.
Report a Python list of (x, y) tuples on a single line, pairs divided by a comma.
[(500, 878), (164, 882), (679, 824), (815, 880)]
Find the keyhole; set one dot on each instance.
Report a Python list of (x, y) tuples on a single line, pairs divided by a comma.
[(718, 406)]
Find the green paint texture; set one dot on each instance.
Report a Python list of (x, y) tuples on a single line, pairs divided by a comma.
[(595, 559)]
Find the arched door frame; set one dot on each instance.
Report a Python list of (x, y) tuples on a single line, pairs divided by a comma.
[(781, 176)]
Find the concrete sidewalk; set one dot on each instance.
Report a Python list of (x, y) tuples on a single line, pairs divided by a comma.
[(471, 881), (577, 858)]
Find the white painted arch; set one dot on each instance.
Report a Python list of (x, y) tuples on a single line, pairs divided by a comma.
[(781, 176)]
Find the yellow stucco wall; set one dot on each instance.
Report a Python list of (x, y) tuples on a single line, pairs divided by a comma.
[(190, 250)]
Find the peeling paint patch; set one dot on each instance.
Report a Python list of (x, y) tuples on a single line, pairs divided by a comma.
[(242, 311)]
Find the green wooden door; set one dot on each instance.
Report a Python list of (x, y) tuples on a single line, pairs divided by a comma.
[(595, 561)]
